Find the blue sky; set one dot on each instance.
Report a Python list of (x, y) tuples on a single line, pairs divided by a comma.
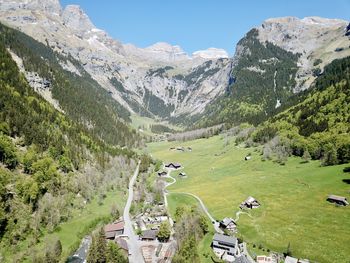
[(197, 24)]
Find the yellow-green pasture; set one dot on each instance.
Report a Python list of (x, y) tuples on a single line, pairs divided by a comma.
[(292, 196)]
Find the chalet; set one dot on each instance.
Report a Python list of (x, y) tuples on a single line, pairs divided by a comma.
[(225, 243), (250, 203), (162, 173), (229, 224), (173, 165), (182, 174), (241, 259), (113, 230), (339, 200), (123, 245), (149, 235)]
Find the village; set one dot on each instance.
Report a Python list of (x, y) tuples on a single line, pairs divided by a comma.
[(225, 242)]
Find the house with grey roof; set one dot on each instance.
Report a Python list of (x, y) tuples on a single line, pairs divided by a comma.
[(250, 203), (227, 244), (229, 224), (173, 165), (339, 200), (149, 235)]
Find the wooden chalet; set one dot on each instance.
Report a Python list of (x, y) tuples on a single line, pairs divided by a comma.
[(173, 165), (339, 200)]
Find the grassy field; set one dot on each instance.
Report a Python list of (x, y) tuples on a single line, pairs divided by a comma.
[(145, 124), (70, 232), (292, 196)]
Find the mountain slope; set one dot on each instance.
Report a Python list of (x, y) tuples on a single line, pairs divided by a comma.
[(77, 94), (70, 32), (320, 124), (274, 64), (50, 165)]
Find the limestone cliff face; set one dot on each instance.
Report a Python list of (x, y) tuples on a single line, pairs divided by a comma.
[(163, 74), (312, 37), (123, 69)]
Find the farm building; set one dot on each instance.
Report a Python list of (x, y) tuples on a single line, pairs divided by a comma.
[(173, 165), (223, 243), (182, 174), (162, 173), (250, 203), (149, 235), (248, 157), (180, 148), (340, 200), (113, 230), (229, 224)]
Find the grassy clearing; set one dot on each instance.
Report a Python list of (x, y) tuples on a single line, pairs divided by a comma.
[(292, 196), (71, 232), (145, 124)]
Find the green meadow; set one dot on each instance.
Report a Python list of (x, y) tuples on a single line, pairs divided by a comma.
[(292, 196), (80, 224)]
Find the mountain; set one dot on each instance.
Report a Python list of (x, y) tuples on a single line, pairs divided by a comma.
[(127, 72), (75, 93), (51, 165), (274, 64)]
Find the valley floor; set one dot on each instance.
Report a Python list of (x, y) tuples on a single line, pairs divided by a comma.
[(293, 197)]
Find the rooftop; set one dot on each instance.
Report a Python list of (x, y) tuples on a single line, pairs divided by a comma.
[(117, 226), (224, 238)]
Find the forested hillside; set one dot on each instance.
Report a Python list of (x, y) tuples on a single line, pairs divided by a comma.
[(320, 125), (261, 84), (79, 96), (49, 164)]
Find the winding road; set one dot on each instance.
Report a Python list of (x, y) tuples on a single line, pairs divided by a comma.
[(204, 208), (135, 255)]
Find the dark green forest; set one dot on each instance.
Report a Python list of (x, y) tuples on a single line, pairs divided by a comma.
[(319, 126), (80, 97), (263, 74)]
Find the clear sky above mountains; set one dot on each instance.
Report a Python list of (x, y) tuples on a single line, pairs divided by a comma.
[(197, 24)]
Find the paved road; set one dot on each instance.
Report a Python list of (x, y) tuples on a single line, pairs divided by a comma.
[(204, 208), (134, 247)]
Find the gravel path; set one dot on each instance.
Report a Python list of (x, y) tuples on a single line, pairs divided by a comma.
[(204, 208)]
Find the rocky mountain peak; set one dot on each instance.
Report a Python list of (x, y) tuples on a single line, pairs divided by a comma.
[(298, 35), (75, 18), (210, 53), (49, 6), (165, 52)]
